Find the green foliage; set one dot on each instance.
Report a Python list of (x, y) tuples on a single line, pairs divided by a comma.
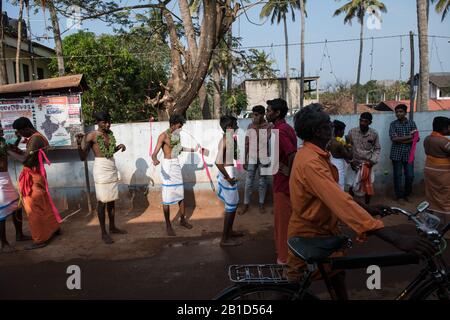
[(235, 102), (194, 112), (121, 70)]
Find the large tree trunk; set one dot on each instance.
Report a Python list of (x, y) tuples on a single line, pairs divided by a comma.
[(422, 23), (217, 93), (288, 77), (3, 73), (188, 74), (358, 76), (19, 41), (57, 38), (302, 54)]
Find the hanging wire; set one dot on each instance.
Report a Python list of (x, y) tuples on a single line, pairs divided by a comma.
[(437, 54), (402, 64), (371, 60)]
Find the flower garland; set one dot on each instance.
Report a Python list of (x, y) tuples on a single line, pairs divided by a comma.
[(175, 142), (107, 152)]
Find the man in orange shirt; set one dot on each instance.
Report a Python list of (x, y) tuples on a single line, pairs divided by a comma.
[(318, 203)]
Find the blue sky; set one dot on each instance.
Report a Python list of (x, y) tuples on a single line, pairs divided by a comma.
[(320, 25)]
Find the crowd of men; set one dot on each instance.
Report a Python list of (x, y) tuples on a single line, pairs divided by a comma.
[(328, 179)]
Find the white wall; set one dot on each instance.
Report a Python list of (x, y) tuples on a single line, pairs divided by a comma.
[(67, 171)]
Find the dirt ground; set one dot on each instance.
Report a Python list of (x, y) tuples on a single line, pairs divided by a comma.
[(147, 264)]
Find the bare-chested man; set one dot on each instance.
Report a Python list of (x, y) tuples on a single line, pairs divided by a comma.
[(9, 199), (227, 190), (172, 189), (106, 176)]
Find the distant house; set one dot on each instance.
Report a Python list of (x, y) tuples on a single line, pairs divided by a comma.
[(30, 69), (258, 91), (440, 86)]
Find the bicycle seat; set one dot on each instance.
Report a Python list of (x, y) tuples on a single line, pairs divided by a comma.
[(315, 249)]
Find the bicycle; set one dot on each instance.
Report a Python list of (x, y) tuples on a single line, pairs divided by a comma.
[(268, 281)]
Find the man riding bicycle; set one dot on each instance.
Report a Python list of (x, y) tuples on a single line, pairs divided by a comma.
[(318, 203)]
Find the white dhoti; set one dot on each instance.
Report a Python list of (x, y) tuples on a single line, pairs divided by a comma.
[(226, 192), (172, 187), (9, 198), (106, 178), (341, 165), (353, 179)]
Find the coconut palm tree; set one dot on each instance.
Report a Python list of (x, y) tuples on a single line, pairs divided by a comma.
[(442, 6), (278, 11), (422, 24), (357, 9), (56, 34), (19, 40), (302, 4)]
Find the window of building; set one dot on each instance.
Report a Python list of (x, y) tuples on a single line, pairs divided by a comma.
[(26, 72), (444, 92), (40, 73)]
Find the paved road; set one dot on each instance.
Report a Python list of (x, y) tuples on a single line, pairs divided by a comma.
[(196, 269)]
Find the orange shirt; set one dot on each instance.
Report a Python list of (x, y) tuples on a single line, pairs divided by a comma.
[(317, 200)]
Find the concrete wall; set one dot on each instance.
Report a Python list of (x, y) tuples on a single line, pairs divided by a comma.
[(66, 174), (258, 92)]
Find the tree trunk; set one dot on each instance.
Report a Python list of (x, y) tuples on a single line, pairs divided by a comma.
[(19, 41), (288, 77), (3, 73), (358, 76), (230, 64), (422, 23), (204, 103), (217, 93), (302, 54), (57, 38)]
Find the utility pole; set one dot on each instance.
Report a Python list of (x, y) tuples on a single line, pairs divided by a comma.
[(411, 78)]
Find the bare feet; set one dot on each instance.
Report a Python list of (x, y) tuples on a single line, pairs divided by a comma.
[(107, 239), (230, 243), (185, 224), (237, 234), (117, 231), (243, 210), (36, 246), (6, 248), (22, 237), (170, 232), (262, 209)]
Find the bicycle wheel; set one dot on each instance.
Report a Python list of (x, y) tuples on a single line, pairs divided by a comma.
[(263, 292), (433, 291)]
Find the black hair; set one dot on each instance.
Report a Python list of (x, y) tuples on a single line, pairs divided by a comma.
[(177, 119), (440, 123), (366, 116), (22, 123), (227, 121), (338, 125), (259, 109), (278, 105), (102, 116), (401, 106), (308, 120)]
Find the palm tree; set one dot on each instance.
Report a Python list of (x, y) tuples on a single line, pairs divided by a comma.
[(3, 74), (278, 11), (19, 41), (357, 9), (442, 6), (302, 4), (56, 35), (422, 23)]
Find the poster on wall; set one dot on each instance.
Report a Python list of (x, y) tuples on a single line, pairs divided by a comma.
[(58, 118), (11, 110)]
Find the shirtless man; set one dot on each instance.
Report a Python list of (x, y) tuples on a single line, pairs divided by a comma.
[(227, 190), (9, 199), (106, 178), (172, 189)]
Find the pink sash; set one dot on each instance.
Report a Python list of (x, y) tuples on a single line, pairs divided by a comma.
[(413, 147), (42, 156)]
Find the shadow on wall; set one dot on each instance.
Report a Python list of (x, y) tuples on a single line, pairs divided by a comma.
[(138, 189)]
